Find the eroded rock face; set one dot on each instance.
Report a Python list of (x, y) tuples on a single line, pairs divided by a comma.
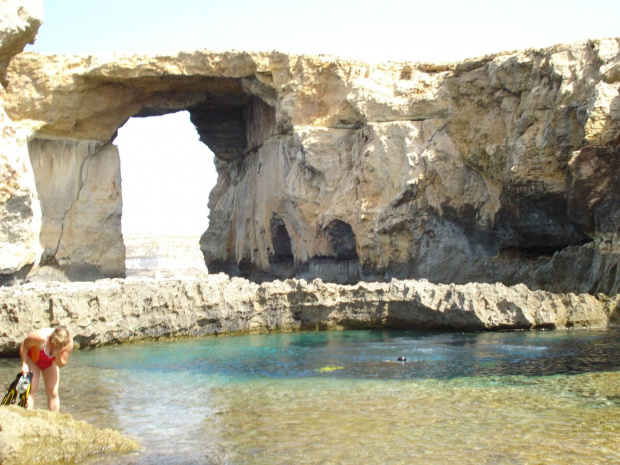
[(40, 436), (114, 311), (594, 191), (19, 22), (79, 186), (20, 213), (477, 171)]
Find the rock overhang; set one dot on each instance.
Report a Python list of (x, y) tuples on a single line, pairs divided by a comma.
[(90, 98)]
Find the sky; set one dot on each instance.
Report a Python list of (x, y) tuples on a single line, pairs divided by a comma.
[(166, 176), (162, 162)]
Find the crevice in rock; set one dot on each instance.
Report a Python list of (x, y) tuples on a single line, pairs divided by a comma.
[(528, 253), (246, 268)]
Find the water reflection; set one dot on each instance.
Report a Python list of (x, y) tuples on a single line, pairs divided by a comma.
[(368, 354)]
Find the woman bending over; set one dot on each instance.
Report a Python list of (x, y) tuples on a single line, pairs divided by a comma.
[(46, 351)]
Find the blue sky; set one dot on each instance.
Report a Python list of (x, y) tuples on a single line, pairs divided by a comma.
[(167, 173), (379, 30)]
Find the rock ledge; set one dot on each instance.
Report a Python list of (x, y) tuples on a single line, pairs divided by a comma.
[(115, 311)]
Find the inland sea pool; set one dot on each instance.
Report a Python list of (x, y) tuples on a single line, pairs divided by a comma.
[(343, 398)]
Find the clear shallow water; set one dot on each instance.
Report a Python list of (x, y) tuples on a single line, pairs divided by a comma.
[(342, 398)]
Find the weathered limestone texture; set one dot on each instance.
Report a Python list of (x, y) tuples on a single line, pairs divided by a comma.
[(498, 169), (79, 187), (19, 22), (43, 437), (113, 311), (20, 213)]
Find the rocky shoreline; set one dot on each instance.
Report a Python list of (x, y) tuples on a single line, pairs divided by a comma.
[(58, 438), (124, 310), (116, 311)]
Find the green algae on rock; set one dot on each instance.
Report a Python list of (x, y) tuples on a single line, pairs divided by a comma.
[(43, 437), (328, 368)]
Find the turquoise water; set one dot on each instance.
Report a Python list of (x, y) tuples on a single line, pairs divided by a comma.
[(343, 398)]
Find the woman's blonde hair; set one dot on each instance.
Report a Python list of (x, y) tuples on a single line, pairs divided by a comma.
[(60, 337)]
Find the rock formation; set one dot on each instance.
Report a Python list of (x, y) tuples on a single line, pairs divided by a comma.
[(19, 22), (114, 311), (502, 169), (498, 169), (20, 214), (43, 437)]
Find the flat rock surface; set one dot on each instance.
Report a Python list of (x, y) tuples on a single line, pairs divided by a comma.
[(42, 437)]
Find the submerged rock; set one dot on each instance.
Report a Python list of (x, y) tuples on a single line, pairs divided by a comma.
[(114, 311), (43, 437)]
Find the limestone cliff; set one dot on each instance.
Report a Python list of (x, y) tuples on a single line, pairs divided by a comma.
[(20, 213), (504, 168), (78, 184)]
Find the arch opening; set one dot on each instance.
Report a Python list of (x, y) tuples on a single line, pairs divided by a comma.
[(94, 215), (167, 174)]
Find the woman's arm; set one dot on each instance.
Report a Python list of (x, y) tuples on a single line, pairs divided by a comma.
[(62, 355)]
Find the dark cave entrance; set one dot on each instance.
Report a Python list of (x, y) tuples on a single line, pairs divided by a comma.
[(281, 258), (342, 239), (342, 266)]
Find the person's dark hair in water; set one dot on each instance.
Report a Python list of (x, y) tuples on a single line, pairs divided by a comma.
[(402, 359)]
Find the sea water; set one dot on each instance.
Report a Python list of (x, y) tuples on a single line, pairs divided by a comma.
[(344, 398)]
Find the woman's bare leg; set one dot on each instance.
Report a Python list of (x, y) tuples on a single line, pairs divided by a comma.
[(34, 382), (51, 376)]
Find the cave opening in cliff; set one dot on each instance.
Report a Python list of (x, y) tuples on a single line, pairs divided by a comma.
[(342, 239), (342, 265), (167, 174), (281, 258)]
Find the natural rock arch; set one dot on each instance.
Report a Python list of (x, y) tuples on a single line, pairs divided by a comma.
[(434, 169), (73, 174)]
